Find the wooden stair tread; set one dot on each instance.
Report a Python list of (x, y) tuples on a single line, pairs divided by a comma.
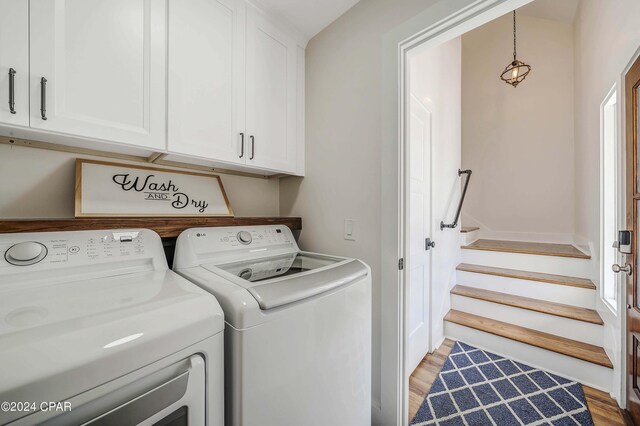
[(561, 345), (530, 276), (544, 249), (537, 305), (466, 229)]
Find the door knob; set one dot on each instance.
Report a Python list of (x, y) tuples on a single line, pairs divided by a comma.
[(626, 268), (428, 244)]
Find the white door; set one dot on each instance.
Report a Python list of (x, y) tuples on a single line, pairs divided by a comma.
[(271, 95), (14, 62), (104, 62), (207, 79), (419, 256)]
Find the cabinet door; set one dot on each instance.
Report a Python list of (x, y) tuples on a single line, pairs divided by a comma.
[(14, 59), (271, 95), (104, 62), (207, 79)]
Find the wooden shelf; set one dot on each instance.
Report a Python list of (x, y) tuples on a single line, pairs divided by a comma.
[(466, 229), (561, 345), (166, 227)]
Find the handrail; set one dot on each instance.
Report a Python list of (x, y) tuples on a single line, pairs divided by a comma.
[(464, 193)]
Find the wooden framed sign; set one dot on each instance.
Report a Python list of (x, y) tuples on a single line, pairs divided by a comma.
[(112, 189)]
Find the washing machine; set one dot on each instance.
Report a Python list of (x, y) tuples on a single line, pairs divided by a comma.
[(96, 330), (298, 326)]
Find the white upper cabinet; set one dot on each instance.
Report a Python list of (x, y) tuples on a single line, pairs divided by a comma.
[(98, 69), (14, 62), (207, 82), (271, 95), (207, 79)]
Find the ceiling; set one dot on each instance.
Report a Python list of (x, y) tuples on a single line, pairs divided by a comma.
[(557, 10), (309, 16)]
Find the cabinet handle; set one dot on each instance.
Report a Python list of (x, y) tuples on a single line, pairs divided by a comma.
[(43, 98), (253, 147), (241, 145), (12, 97)]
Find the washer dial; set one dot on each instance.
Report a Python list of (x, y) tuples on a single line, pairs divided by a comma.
[(26, 253), (244, 237)]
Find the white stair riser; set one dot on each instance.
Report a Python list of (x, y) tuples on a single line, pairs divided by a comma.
[(568, 266), (559, 326), (576, 296), (575, 369), (469, 237)]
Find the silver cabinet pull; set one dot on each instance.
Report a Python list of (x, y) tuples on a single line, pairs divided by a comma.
[(253, 147), (12, 96), (43, 98), (241, 145)]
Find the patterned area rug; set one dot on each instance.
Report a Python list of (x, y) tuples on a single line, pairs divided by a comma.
[(479, 388)]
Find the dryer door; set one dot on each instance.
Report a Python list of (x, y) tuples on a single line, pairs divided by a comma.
[(177, 402), (173, 396)]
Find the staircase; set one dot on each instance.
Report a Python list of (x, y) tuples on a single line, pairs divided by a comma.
[(531, 302), (469, 234)]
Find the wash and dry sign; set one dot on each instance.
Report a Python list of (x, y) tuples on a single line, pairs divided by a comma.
[(112, 189)]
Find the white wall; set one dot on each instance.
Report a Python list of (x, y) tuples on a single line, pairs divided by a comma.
[(606, 36), (40, 184), (435, 79), (519, 141)]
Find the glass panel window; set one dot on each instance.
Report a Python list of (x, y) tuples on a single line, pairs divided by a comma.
[(609, 198)]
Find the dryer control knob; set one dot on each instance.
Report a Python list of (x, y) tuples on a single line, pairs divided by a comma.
[(26, 253), (244, 237)]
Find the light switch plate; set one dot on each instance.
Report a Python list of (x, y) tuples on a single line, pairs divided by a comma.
[(350, 229)]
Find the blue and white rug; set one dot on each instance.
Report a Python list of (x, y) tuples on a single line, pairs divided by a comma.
[(479, 388)]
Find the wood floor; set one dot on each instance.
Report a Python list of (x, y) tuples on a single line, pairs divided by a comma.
[(544, 249), (604, 409)]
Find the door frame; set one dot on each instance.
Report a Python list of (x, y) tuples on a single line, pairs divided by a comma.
[(632, 156), (437, 24)]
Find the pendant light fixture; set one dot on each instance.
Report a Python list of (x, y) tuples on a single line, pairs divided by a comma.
[(517, 70)]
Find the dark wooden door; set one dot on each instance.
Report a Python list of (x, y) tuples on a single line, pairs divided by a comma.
[(632, 97)]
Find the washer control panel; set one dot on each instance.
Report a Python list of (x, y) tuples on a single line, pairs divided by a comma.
[(72, 248), (222, 239), (197, 244)]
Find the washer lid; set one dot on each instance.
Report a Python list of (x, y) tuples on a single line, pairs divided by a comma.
[(279, 280), (59, 340), (256, 270)]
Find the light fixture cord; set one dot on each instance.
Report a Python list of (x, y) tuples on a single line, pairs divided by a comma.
[(515, 55)]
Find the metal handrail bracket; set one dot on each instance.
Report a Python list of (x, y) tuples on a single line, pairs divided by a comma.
[(464, 193)]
